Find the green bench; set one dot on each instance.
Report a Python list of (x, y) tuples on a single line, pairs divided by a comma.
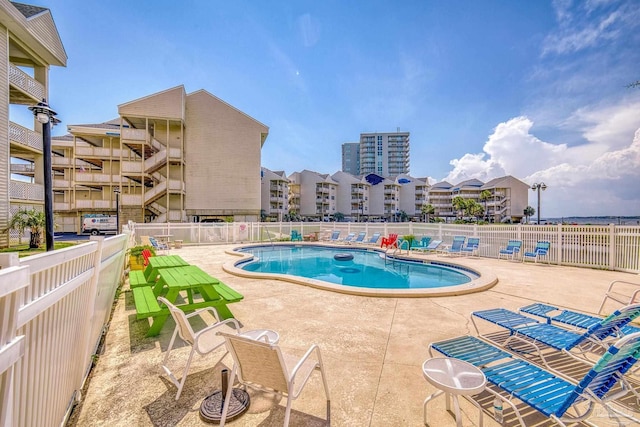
[(137, 279), (146, 302)]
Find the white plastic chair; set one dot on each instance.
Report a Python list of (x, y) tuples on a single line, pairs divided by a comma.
[(201, 341), (263, 366)]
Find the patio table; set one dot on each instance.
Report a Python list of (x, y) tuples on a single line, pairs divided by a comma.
[(157, 263), (172, 281)]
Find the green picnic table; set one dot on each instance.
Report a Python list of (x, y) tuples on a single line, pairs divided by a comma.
[(150, 274), (171, 282)]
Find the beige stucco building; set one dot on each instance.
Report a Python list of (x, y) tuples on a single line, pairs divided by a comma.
[(173, 156), (30, 45)]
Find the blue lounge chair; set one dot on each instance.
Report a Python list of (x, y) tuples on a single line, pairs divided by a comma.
[(335, 235), (296, 236), (431, 247), (541, 251), (160, 247), (349, 237), (420, 244), (511, 251), (471, 247), (551, 395), (456, 246), (531, 332), (360, 237), (374, 239), (572, 318)]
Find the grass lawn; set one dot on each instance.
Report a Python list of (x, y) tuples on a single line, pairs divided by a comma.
[(23, 250)]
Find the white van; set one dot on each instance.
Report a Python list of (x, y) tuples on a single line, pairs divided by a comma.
[(99, 225)]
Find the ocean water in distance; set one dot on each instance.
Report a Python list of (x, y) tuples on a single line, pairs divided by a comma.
[(595, 220)]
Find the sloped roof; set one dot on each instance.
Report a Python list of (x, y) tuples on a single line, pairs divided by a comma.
[(29, 10)]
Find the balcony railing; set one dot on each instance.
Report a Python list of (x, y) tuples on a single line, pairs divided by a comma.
[(26, 83), (19, 190), (25, 136), (134, 134)]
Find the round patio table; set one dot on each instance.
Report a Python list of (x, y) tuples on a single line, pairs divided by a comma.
[(454, 378)]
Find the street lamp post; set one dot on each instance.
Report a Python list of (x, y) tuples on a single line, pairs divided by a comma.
[(537, 187), (117, 191), (47, 117)]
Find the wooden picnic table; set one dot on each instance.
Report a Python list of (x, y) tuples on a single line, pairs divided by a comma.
[(171, 282)]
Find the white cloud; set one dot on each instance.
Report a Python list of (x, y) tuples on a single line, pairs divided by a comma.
[(599, 177)]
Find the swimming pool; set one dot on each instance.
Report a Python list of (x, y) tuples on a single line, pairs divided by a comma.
[(370, 272)]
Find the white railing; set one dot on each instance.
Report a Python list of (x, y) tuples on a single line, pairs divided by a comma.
[(131, 166), (94, 204), (611, 247), (134, 134), (26, 83), (60, 303), (25, 136), (26, 191)]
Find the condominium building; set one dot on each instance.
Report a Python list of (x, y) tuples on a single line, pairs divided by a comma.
[(413, 194), (168, 157), (31, 44), (385, 154), (312, 195), (384, 197), (352, 195), (275, 194), (351, 158)]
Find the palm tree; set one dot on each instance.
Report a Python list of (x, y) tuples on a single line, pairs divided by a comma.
[(338, 216), (475, 209), (484, 196), (459, 204), (529, 212), (427, 211), (33, 220)]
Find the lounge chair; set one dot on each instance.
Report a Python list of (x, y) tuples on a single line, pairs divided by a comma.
[(390, 241), (551, 395), (374, 239), (552, 314), (349, 237), (540, 252), (531, 332), (360, 237), (511, 251), (200, 341), (622, 292), (420, 244), (335, 236), (471, 247), (296, 236), (456, 246), (431, 247), (159, 246), (263, 366)]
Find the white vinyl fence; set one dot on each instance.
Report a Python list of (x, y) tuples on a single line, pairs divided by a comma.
[(610, 247), (54, 308)]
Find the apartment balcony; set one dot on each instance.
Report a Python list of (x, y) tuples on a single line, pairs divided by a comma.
[(61, 206), (25, 137), (100, 178), (23, 168), (88, 152), (63, 184), (130, 134), (19, 190), (95, 204), (131, 199), (277, 199), (24, 89), (129, 167)]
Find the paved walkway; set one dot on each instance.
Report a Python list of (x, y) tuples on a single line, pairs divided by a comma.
[(373, 348)]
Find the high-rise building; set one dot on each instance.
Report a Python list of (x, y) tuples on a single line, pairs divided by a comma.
[(351, 158), (385, 154)]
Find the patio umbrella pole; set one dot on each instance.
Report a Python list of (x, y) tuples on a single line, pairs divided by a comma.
[(211, 407)]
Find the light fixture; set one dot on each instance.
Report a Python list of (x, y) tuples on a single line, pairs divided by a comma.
[(537, 187)]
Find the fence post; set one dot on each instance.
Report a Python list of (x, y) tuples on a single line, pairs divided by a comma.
[(612, 247), (559, 254), (12, 280), (97, 262), (9, 259)]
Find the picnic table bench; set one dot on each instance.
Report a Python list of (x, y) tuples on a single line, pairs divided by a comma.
[(171, 282)]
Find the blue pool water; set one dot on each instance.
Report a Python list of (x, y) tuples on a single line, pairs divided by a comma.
[(368, 269)]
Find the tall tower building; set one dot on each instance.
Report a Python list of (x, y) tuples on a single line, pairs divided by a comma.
[(351, 158), (385, 154)]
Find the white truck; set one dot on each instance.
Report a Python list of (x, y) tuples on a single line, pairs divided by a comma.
[(96, 225)]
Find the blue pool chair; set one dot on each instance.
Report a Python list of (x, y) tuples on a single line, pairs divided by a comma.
[(349, 237), (420, 244), (296, 236), (546, 392), (540, 252), (456, 246), (511, 251), (531, 332), (374, 239), (431, 247), (553, 314), (471, 247), (335, 236), (360, 237)]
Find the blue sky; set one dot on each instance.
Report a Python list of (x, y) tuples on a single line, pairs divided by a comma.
[(534, 89)]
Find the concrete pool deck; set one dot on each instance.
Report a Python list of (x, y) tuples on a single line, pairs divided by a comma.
[(372, 348)]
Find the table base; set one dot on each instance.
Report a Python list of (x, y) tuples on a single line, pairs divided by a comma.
[(211, 407)]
